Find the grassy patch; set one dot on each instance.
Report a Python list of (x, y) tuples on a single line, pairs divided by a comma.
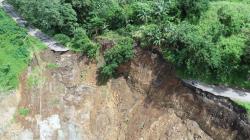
[(245, 105), (34, 78), (52, 65), (16, 48), (35, 45), (23, 112)]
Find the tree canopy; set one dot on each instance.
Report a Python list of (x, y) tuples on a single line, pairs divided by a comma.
[(204, 39)]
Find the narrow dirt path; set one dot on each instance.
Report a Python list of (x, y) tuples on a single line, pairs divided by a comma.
[(48, 41)]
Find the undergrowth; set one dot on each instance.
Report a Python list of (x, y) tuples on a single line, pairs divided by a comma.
[(16, 48)]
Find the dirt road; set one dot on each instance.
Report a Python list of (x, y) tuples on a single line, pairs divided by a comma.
[(48, 41), (234, 94)]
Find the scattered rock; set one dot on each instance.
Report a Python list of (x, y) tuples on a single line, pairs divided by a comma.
[(49, 126), (26, 135)]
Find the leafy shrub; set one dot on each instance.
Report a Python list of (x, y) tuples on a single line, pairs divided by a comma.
[(82, 8), (161, 10), (82, 43), (96, 25), (140, 12), (179, 36), (23, 112), (120, 53), (62, 39), (50, 15), (246, 56), (149, 35), (191, 9), (110, 12), (231, 50), (114, 57), (232, 18)]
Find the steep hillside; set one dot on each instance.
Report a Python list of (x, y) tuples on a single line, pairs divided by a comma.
[(120, 79), (63, 101)]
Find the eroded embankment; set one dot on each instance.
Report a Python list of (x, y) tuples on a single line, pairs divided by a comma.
[(219, 117), (150, 103)]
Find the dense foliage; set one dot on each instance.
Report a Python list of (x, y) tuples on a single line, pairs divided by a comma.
[(205, 39), (15, 51), (115, 56)]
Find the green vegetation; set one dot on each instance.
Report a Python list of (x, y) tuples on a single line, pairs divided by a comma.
[(35, 79), (23, 112), (117, 55), (207, 40), (15, 51), (81, 42), (218, 53), (245, 105), (52, 65)]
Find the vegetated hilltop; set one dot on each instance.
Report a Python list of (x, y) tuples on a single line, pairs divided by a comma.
[(206, 39), (16, 49)]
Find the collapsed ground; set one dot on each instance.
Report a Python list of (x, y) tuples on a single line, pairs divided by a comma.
[(59, 98), (197, 60)]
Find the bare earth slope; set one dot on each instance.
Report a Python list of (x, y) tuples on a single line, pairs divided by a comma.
[(149, 104)]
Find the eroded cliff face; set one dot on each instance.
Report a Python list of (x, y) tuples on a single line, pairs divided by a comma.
[(218, 117), (148, 103)]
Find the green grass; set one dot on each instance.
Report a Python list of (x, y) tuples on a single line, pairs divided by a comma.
[(23, 112), (16, 48), (52, 65), (35, 79), (245, 105)]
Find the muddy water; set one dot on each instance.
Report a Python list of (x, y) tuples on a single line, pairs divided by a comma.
[(65, 103)]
